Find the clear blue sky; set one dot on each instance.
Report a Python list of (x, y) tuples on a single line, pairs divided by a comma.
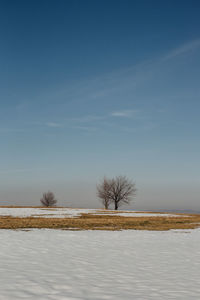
[(94, 88)]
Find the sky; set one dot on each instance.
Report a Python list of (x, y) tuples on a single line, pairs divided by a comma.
[(100, 88)]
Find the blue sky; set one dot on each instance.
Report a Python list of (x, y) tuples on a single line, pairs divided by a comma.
[(94, 88)]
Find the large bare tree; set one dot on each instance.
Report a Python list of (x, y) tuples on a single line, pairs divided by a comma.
[(122, 191), (119, 190), (103, 192), (48, 199)]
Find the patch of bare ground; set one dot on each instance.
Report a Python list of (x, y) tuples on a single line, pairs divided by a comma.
[(103, 222)]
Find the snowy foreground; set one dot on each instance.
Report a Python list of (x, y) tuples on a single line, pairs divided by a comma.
[(69, 212), (65, 265)]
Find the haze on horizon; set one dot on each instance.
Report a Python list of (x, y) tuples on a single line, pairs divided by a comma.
[(94, 88)]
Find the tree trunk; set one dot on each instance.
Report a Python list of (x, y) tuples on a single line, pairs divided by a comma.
[(116, 205), (106, 204)]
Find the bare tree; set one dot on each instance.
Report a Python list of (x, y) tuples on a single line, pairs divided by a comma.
[(122, 190), (119, 190), (103, 192), (48, 199)]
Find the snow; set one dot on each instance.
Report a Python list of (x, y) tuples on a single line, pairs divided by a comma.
[(43, 212), (70, 212), (99, 265), (137, 214)]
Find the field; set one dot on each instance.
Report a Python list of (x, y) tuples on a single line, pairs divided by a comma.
[(86, 254), (84, 219)]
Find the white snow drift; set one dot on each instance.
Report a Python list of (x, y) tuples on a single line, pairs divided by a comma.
[(69, 212), (99, 265)]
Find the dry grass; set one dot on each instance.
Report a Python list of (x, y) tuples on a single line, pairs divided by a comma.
[(103, 222)]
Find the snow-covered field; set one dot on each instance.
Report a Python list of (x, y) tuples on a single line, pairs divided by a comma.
[(65, 265), (43, 212), (69, 212)]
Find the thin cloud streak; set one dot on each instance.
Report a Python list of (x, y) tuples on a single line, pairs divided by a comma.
[(93, 89), (183, 49), (124, 113), (54, 125), (109, 83), (97, 122)]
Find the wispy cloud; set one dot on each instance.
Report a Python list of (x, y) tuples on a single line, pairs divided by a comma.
[(109, 88), (92, 123), (53, 124), (109, 85), (128, 113), (183, 49)]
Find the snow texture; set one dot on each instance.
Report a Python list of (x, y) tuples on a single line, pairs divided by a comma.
[(99, 265), (69, 212)]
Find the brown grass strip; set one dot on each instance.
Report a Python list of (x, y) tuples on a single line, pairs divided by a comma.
[(102, 222)]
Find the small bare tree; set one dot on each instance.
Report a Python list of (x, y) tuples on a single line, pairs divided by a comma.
[(103, 192), (122, 190), (48, 199)]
